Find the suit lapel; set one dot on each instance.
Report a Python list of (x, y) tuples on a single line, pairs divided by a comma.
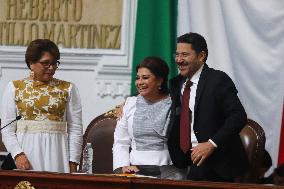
[(175, 86), (177, 90), (200, 88)]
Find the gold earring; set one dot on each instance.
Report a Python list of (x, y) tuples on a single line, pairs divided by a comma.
[(32, 74)]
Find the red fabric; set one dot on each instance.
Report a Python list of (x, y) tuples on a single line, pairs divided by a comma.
[(281, 146), (185, 119)]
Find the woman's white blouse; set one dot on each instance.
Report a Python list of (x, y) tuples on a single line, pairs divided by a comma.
[(124, 140)]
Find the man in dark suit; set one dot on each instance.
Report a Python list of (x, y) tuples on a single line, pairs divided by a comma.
[(216, 116)]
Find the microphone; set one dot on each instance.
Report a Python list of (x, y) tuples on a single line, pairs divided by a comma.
[(17, 118)]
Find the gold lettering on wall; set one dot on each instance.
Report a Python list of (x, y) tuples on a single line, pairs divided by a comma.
[(90, 24)]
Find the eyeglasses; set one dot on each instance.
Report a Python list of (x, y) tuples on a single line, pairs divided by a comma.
[(183, 55), (47, 64)]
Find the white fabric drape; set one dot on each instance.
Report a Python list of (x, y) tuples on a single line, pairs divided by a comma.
[(246, 40)]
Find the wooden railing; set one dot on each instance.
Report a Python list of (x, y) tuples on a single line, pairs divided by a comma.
[(46, 180)]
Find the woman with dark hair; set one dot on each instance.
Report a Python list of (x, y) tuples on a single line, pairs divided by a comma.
[(140, 137), (48, 137)]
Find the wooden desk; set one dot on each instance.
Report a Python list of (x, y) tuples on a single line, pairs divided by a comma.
[(9, 179), (45, 180)]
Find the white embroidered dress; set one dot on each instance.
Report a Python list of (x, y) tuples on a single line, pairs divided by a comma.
[(50, 130)]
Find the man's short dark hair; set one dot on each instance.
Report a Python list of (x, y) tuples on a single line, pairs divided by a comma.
[(196, 40)]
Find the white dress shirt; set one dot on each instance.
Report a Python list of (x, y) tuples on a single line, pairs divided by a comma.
[(194, 79)]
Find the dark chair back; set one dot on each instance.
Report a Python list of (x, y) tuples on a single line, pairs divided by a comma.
[(100, 134), (253, 138)]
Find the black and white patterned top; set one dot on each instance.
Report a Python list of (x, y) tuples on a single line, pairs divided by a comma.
[(150, 124), (143, 129)]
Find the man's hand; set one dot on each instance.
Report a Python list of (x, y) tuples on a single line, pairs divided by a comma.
[(201, 152), (72, 167), (22, 162), (119, 110), (130, 169)]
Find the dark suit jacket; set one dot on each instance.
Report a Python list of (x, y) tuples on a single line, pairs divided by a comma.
[(219, 115)]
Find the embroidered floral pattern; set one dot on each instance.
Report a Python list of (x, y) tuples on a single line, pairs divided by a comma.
[(37, 100), (31, 126)]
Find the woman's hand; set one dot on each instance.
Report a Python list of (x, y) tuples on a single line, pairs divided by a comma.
[(130, 169), (22, 162), (72, 167), (119, 110)]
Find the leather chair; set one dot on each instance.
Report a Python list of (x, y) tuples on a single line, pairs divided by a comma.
[(100, 134), (253, 138)]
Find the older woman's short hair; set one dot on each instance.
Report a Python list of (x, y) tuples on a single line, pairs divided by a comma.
[(36, 49), (159, 68)]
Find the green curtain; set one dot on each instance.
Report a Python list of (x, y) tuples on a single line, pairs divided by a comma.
[(155, 34)]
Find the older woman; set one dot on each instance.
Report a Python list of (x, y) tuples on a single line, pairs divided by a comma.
[(144, 124), (49, 135)]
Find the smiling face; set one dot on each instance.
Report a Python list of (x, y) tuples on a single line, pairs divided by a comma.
[(44, 68), (148, 84), (187, 60)]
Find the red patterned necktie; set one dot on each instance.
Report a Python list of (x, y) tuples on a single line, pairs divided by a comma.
[(185, 119)]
